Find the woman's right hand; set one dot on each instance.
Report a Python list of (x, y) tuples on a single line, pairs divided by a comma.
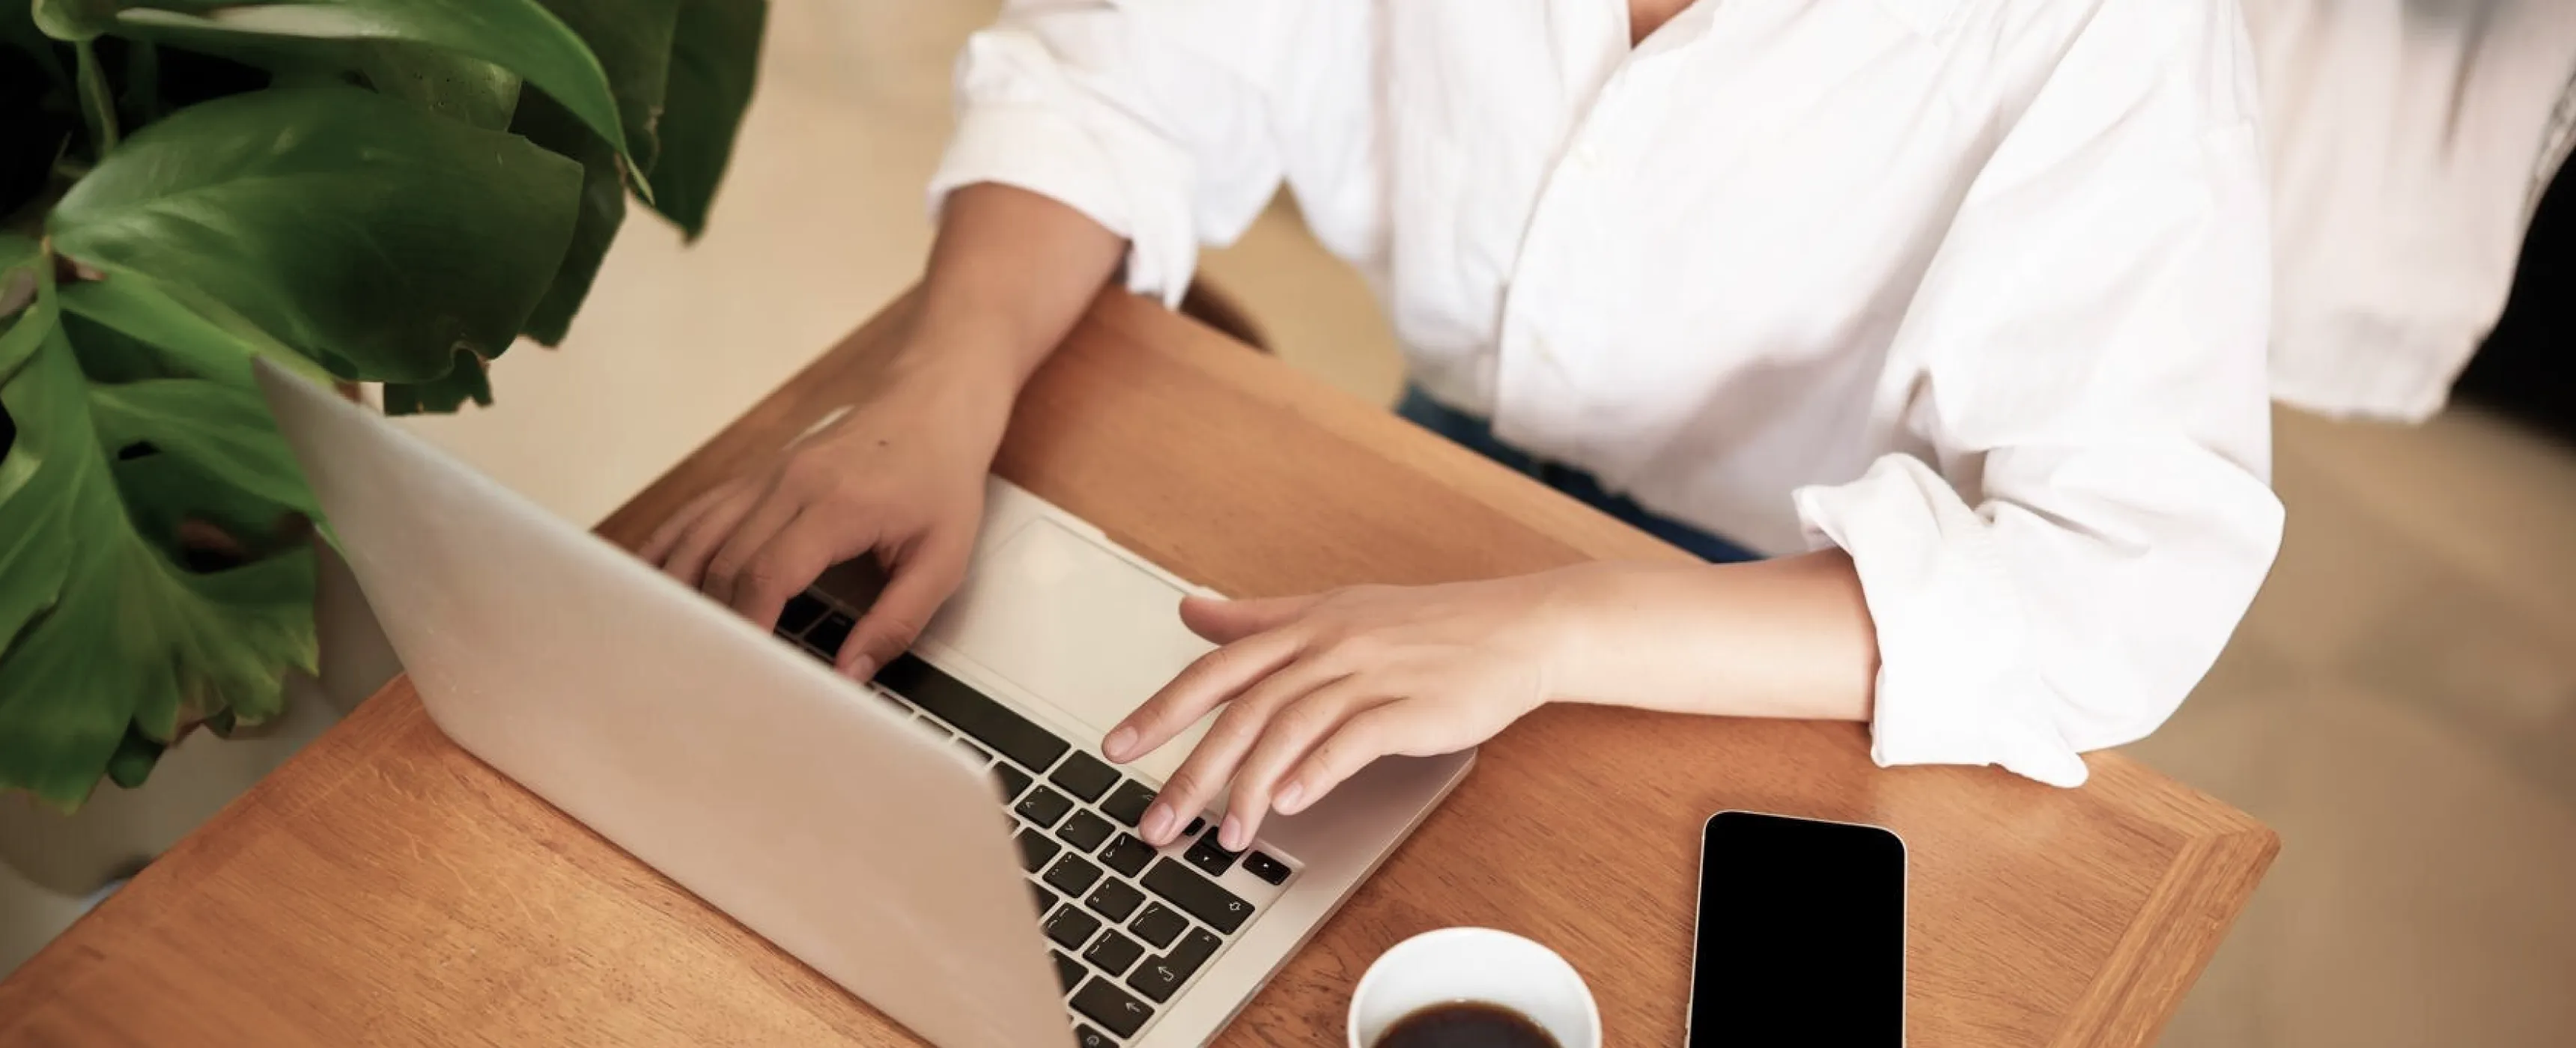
[(900, 476)]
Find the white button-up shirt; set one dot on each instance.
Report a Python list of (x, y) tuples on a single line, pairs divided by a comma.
[(1974, 289)]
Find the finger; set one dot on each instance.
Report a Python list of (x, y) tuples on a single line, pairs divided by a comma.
[(1259, 782), (666, 537), (688, 559), (1212, 762), (790, 562), (1199, 687), (1226, 621), (1407, 728), (757, 529), (920, 581)]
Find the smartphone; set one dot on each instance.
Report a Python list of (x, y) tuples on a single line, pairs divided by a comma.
[(1801, 934)]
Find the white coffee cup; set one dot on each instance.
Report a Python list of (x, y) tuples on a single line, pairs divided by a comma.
[(1454, 965)]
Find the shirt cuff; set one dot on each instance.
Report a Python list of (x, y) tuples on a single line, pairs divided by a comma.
[(1955, 683), (1035, 148)]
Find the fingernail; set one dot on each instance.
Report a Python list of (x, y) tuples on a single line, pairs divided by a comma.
[(1115, 748), (1230, 833), (863, 668), (1289, 795), (1158, 823)]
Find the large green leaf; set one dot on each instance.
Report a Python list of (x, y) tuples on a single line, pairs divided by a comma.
[(32, 501), (53, 742), (184, 330), (135, 756), (466, 381), (348, 225), (603, 210), (517, 35), (109, 355), (223, 429), (163, 492), (122, 639), (714, 62), (20, 261), (632, 40), (451, 85)]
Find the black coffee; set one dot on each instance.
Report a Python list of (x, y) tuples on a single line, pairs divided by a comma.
[(1465, 1024)]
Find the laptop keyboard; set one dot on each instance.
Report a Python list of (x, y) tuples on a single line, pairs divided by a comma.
[(1129, 925)]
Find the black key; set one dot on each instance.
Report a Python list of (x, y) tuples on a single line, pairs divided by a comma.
[(1196, 824), (1111, 1007), (800, 612), (1082, 775), (1263, 866), (1208, 855), (1160, 977), (1127, 854), (1159, 925), (1067, 970), (1070, 927), (1086, 1037), (1084, 831), (1198, 896), (1128, 802), (1197, 948), (1046, 899), (1043, 806), (967, 710), (1013, 779), (1071, 875), (827, 635), (973, 752), (1113, 953), (1114, 899), (1035, 849)]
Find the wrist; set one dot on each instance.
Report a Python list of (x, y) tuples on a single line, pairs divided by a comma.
[(1579, 614), (954, 376)]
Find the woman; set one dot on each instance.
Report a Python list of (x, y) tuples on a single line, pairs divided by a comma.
[(1955, 309)]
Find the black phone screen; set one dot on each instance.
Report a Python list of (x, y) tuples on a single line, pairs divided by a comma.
[(1801, 934)]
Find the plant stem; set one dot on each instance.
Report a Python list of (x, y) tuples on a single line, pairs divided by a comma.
[(98, 107), (142, 81)]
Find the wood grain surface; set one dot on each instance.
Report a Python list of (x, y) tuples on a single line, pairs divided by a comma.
[(385, 887)]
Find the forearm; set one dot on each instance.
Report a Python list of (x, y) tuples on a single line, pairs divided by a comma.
[(1789, 638), (1009, 275)]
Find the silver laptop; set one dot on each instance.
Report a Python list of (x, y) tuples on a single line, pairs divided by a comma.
[(944, 842)]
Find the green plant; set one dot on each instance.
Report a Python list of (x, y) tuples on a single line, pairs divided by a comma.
[(360, 190)]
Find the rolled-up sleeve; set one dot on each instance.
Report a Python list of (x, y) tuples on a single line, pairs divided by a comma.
[(1106, 107), (2083, 364)]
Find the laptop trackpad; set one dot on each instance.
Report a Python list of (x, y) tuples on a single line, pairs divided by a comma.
[(1077, 625)]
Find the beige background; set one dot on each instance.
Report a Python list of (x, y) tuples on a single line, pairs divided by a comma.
[(2401, 704)]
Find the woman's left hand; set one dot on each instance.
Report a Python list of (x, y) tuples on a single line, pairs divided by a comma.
[(1316, 687)]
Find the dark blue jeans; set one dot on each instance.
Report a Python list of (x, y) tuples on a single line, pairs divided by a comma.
[(1476, 435)]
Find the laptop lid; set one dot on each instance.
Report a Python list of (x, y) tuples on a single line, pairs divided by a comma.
[(785, 796)]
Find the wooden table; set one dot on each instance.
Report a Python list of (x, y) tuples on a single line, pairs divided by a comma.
[(386, 887)]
